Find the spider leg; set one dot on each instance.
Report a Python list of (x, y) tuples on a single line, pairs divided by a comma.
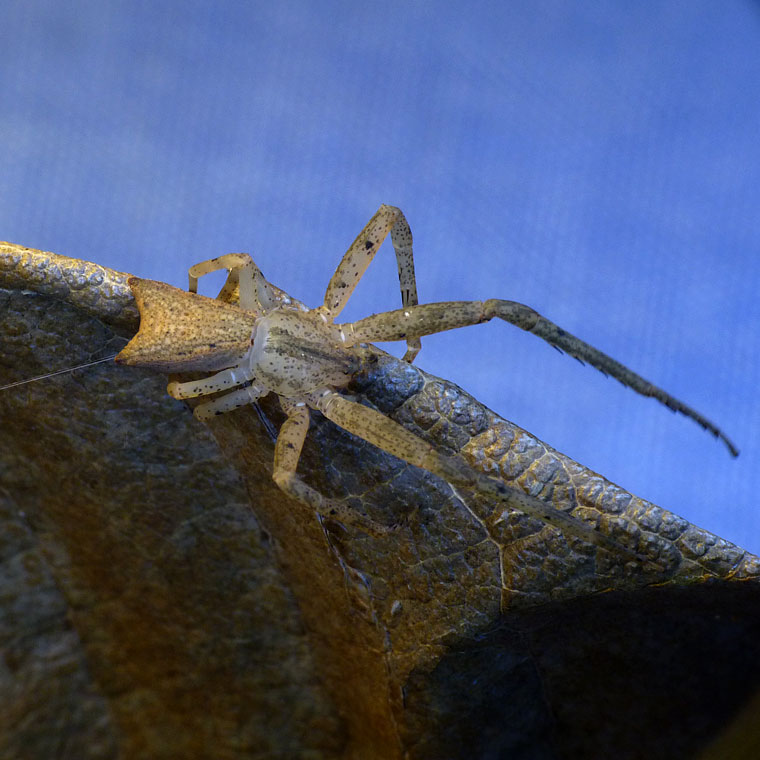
[(256, 293), (229, 402), (287, 452), (388, 435), (219, 381), (427, 319), (359, 256), (239, 375)]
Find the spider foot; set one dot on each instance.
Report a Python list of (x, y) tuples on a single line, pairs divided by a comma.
[(345, 516)]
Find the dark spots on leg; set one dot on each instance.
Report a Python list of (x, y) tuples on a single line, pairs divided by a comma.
[(369, 244)]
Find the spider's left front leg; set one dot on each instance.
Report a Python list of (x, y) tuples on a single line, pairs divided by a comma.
[(430, 318)]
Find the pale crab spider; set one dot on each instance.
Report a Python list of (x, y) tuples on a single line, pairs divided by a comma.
[(271, 343)]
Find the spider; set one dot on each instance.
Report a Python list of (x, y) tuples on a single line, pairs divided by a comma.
[(271, 343)]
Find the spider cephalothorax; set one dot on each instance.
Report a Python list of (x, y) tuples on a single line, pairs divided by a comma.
[(270, 342)]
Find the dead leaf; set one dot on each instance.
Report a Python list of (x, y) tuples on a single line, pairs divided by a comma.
[(162, 598)]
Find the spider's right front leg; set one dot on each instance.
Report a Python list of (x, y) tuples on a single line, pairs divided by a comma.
[(287, 452), (388, 435)]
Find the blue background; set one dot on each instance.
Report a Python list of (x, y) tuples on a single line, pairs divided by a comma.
[(596, 160)]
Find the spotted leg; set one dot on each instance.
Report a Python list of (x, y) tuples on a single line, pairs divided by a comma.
[(239, 375), (388, 435), (427, 319), (256, 293), (229, 402), (287, 452), (359, 256)]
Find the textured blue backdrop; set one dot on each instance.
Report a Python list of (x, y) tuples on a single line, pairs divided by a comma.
[(596, 160)]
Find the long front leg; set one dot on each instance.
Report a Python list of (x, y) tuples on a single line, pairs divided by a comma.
[(287, 452), (359, 256), (388, 435), (427, 319)]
